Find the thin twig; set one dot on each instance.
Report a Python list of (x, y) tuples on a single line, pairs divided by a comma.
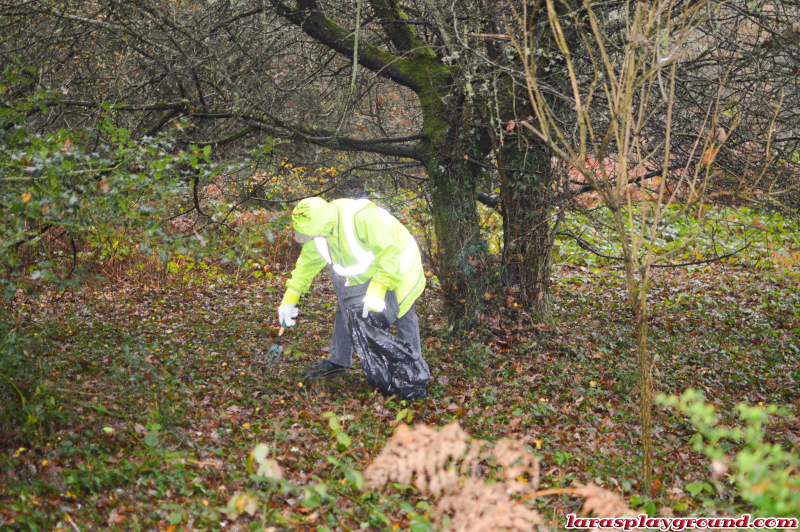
[(552, 491), (71, 522)]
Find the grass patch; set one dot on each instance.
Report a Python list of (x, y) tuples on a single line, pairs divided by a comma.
[(151, 401)]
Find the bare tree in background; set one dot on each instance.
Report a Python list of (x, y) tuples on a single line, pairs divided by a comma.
[(378, 84), (427, 95), (656, 131)]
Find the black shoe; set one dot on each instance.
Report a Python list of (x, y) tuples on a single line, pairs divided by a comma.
[(326, 370)]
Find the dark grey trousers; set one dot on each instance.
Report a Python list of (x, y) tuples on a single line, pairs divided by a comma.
[(342, 346)]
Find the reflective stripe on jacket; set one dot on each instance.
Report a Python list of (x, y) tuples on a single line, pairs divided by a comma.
[(366, 243)]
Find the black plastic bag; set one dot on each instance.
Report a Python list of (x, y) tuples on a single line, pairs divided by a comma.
[(389, 363)]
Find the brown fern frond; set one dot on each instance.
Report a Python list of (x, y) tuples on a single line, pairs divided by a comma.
[(446, 465), (603, 502), (517, 463), (480, 507), (422, 453)]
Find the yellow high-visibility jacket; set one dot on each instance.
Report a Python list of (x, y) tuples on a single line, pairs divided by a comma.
[(366, 244)]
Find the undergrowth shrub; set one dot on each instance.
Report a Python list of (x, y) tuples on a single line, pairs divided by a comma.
[(79, 203), (26, 405), (765, 475), (15, 373), (472, 485), (101, 205), (766, 239)]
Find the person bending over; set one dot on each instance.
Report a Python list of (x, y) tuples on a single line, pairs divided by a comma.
[(372, 254)]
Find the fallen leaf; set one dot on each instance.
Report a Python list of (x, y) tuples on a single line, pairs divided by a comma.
[(708, 156)]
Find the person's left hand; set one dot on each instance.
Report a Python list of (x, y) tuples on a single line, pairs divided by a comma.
[(373, 303)]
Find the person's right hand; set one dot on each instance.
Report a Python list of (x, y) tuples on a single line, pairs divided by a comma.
[(286, 313)]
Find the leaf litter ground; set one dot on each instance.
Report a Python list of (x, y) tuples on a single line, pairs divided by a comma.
[(157, 397)]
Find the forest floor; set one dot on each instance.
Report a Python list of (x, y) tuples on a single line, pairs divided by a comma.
[(153, 399)]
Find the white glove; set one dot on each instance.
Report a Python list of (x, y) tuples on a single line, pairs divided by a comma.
[(285, 315), (372, 303)]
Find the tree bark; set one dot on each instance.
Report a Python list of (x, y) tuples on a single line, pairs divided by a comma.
[(527, 195), (645, 386), (463, 261), (637, 278)]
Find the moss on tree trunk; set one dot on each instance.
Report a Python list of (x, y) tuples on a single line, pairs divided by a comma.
[(463, 260)]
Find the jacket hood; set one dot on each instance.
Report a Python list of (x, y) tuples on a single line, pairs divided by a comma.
[(314, 217)]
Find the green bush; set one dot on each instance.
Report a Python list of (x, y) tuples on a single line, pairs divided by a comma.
[(769, 239), (15, 372), (765, 474)]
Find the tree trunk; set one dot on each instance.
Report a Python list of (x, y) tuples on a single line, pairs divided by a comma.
[(527, 195), (645, 389), (463, 260), (637, 278), (464, 264)]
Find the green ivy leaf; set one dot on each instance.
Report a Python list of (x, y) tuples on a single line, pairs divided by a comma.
[(311, 500), (343, 438), (151, 439), (695, 488), (355, 478)]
